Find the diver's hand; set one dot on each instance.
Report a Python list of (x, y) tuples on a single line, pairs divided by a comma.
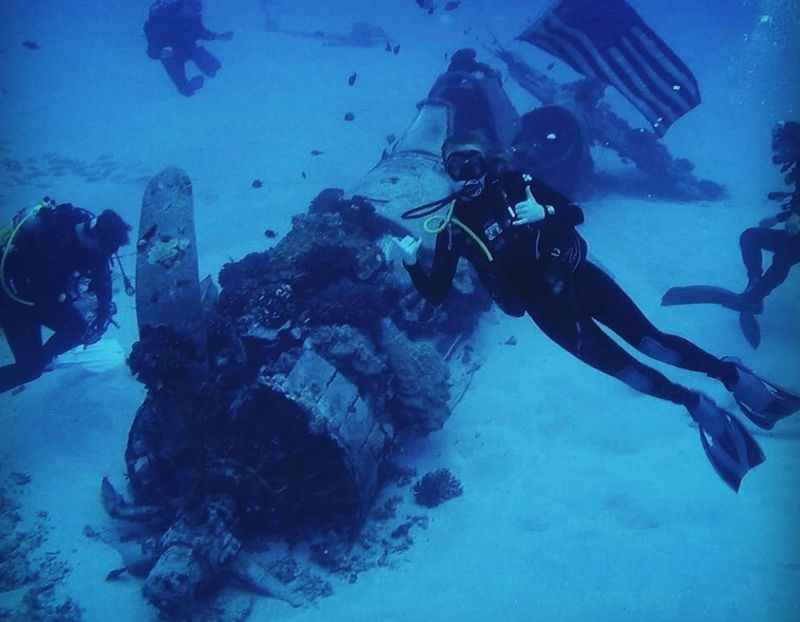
[(166, 52), (409, 249), (225, 36), (99, 325), (95, 331), (529, 210)]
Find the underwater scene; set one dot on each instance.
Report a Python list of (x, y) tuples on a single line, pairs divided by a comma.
[(357, 311)]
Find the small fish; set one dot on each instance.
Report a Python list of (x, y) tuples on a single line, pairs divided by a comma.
[(257, 183), (316, 152), (388, 47), (396, 49), (550, 66), (352, 79), (303, 174), (20, 479), (270, 233), (31, 45), (349, 116), (115, 574), (452, 6), (390, 138)]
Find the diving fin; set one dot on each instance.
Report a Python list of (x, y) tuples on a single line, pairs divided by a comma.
[(750, 328), (704, 294), (195, 84), (728, 445), (761, 401), (708, 294)]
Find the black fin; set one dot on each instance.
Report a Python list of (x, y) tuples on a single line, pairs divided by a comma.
[(702, 294), (733, 453), (773, 404), (750, 329)]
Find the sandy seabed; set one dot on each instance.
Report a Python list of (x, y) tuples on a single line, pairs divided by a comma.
[(583, 500)]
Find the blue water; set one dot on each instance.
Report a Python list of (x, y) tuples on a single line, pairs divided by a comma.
[(583, 500)]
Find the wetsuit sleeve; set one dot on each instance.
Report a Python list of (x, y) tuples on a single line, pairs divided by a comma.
[(156, 39), (199, 30), (435, 286), (565, 212), (41, 251), (100, 285), (205, 34)]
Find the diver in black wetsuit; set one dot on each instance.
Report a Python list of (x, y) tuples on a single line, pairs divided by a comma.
[(520, 236), (465, 60), (56, 260), (785, 244), (173, 29)]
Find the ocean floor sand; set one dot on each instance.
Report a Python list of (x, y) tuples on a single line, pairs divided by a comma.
[(582, 500)]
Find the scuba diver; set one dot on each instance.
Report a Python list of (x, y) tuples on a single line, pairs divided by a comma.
[(465, 60), (784, 244), (173, 29), (520, 236), (475, 99), (55, 272)]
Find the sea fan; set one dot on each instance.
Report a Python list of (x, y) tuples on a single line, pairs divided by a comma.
[(437, 487)]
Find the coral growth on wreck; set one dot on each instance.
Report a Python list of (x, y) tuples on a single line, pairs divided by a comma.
[(437, 487), (318, 354)]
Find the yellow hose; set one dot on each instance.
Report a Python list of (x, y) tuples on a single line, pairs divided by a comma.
[(478, 241), (429, 226), (6, 252), (436, 224)]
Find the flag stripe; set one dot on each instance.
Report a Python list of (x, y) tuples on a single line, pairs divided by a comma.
[(660, 78), (570, 56), (661, 114), (651, 47), (667, 57), (647, 105), (617, 47), (654, 83)]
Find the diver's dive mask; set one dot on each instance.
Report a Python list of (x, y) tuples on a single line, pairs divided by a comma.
[(465, 165)]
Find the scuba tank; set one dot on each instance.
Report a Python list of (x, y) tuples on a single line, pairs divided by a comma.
[(78, 291), (7, 235)]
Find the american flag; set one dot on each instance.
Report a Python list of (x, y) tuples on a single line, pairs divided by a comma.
[(607, 40)]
